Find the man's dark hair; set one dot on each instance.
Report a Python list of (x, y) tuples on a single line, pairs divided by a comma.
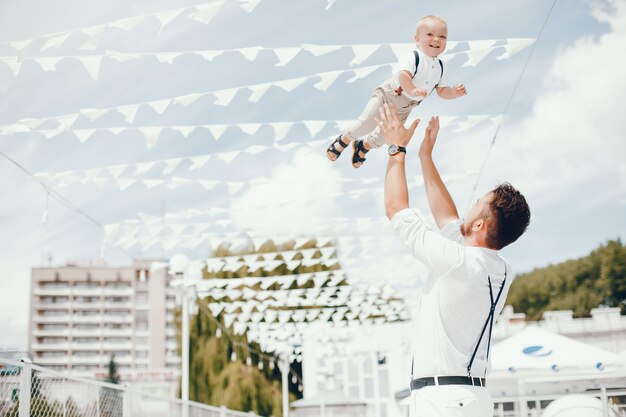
[(508, 217)]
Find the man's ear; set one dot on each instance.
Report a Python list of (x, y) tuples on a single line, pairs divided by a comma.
[(478, 225)]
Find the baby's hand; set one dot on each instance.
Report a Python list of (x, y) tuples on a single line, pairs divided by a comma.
[(459, 90), (418, 92)]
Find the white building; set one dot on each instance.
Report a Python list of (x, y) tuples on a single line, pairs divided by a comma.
[(80, 316), (372, 363)]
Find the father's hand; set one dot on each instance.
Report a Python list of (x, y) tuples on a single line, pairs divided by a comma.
[(430, 137), (392, 128)]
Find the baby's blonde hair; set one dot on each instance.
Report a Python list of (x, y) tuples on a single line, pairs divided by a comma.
[(425, 18)]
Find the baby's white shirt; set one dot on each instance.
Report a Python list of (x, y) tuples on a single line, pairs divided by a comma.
[(427, 77)]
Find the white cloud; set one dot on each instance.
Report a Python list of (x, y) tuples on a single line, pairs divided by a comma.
[(298, 192), (575, 132)]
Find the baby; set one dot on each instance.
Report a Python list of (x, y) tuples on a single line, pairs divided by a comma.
[(416, 75)]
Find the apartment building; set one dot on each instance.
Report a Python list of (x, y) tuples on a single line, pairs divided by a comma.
[(82, 315)]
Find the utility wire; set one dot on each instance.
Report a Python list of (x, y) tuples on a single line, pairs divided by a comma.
[(59, 197), (508, 104)]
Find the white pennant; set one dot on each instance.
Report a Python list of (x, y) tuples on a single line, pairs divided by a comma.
[(314, 126), (124, 183), (224, 97), (13, 64), (513, 46), (116, 171), (123, 57), (93, 114), (94, 34), (362, 52), (49, 63), (129, 112), (67, 122), (209, 55), (167, 17), (234, 186), (250, 53), (285, 55), (318, 50), (171, 165), (327, 79), (20, 46), (199, 161), (216, 130), (188, 99), (184, 130), (286, 147), (55, 41), (228, 157), (400, 49), (329, 4), (143, 167), (478, 51), (258, 91), (281, 129), (167, 57), (83, 134), (290, 84), (92, 65), (160, 106), (205, 13), (363, 72), (151, 134), (208, 184), (249, 128), (176, 182), (256, 149), (249, 5), (126, 24)]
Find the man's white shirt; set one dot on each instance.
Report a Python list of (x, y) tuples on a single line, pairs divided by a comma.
[(455, 302)]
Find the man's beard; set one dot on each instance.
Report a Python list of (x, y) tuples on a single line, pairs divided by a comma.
[(465, 230)]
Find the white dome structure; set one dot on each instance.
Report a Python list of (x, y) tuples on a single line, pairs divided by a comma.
[(577, 405)]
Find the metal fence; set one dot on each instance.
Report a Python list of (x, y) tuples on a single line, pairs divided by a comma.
[(28, 390), (609, 404)]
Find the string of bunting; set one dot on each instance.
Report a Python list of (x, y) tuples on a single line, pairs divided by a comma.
[(92, 63)]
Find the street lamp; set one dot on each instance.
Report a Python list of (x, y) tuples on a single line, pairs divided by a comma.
[(187, 274)]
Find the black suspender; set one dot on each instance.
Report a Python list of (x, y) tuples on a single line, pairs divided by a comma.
[(489, 322), (417, 62)]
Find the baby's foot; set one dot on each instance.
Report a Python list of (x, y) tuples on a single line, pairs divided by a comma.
[(335, 148)]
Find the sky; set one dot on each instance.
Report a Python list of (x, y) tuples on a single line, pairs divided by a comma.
[(561, 141)]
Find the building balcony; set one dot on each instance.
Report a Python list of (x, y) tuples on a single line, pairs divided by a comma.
[(51, 291), (117, 332), (60, 360), (60, 332), (89, 360), (86, 346), (118, 291), (53, 306), (94, 305), (52, 319), (96, 318), (95, 331), (87, 292), (118, 346), (118, 306), (118, 319), (50, 346)]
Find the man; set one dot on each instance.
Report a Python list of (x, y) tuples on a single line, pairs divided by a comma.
[(468, 280)]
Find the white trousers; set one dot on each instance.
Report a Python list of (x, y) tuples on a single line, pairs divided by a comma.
[(451, 401), (366, 122)]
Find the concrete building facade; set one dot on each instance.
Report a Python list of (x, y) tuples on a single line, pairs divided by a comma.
[(80, 316)]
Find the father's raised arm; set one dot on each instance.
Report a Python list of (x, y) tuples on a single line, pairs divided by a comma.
[(396, 191), (441, 204)]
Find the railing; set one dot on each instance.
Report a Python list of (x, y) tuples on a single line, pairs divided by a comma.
[(31, 390), (612, 404)]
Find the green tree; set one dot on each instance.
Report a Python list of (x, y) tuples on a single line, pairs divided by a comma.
[(598, 279)]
